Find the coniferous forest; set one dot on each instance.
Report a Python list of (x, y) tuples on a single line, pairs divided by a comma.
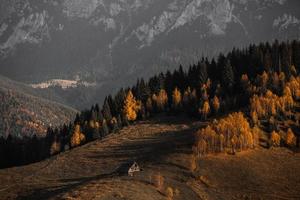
[(262, 80)]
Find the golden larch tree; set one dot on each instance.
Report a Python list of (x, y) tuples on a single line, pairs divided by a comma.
[(131, 107), (161, 99), (77, 137), (290, 138), (55, 147), (216, 104), (205, 110), (176, 98), (275, 139)]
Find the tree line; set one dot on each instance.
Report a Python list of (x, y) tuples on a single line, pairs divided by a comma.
[(206, 88)]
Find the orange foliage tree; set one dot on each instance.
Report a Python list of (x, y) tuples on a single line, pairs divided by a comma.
[(77, 137), (160, 100), (290, 138), (176, 98), (275, 139), (131, 107), (232, 132), (216, 104)]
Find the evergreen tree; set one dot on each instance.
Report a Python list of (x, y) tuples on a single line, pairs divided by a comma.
[(228, 76), (106, 110), (203, 75)]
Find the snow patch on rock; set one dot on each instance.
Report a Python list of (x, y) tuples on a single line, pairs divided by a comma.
[(62, 83), (284, 21)]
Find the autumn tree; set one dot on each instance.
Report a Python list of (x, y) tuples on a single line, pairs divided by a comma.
[(131, 107), (169, 193), (176, 99), (55, 147), (159, 182), (290, 138), (193, 163), (77, 137), (232, 132), (216, 104), (205, 110), (160, 100), (275, 139)]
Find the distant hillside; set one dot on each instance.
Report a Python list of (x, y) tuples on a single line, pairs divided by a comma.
[(24, 112)]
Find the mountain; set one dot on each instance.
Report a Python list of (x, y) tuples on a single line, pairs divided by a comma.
[(112, 42), (25, 113)]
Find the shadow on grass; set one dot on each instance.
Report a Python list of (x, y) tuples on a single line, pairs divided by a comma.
[(146, 150)]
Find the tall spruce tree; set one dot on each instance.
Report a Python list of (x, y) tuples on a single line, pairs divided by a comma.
[(106, 110)]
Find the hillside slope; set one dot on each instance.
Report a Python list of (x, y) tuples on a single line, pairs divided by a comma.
[(24, 112), (162, 145)]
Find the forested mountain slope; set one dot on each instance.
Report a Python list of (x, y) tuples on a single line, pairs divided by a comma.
[(24, 114)]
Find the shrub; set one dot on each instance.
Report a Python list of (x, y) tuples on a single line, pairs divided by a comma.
[(55, 148), (169, 193), (159, 182)]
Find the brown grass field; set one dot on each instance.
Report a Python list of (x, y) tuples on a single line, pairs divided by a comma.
[(160, 146)]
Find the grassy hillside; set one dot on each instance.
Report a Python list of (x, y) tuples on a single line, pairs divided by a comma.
[(161, 146), (23, 112)]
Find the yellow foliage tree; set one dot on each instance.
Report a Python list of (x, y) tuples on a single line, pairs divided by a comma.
[(159, 182), (131, 107), (161, 99), (55, 148), (193, 163), (254, 117), (205, 110), (169, 193), (290, 138), (216, 104), (176, 98), (77, 137), (275, 139), (231, 132)]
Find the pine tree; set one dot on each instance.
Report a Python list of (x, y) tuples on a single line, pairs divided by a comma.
[(203, 76), (104, 130), (228, 76), (106, 110)]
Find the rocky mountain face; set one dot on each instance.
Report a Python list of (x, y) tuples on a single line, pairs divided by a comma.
[(109, 42)]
